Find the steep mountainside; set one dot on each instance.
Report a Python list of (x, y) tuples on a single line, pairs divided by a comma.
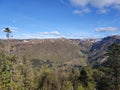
[(85, 44), (99, 48)]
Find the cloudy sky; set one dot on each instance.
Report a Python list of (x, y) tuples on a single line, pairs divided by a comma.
[(60, 18)]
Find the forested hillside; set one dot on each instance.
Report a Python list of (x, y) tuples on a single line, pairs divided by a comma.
[(60, 64)]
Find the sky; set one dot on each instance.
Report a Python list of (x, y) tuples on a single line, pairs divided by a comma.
[(60, 18)]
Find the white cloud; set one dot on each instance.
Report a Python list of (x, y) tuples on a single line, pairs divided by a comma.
[(79, 2), (95, 3), (53, 34), (49, 33), (101, 5), (14, 29), (103, 11), (106, 29), (82, 11)]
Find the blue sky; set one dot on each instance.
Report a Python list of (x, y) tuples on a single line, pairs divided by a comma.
[(60, 18)]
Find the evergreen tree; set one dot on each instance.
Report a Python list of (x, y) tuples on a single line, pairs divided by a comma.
[(86, 79), (114, 64), (111, 69)]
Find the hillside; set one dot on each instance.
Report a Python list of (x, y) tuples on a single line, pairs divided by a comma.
[(61, 52), (99, 48), (58, 63), (49, 51)]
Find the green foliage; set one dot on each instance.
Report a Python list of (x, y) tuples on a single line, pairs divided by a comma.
[(5, 66), (48, 80), (58, 68), (67, 85), (97, 74), (26, 77), (80, 87), (110, 79), (84, 77), (114, 64), (104, 84), (91, 86), (74, 76)]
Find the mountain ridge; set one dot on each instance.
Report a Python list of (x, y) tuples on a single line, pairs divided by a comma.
[(65, 50)]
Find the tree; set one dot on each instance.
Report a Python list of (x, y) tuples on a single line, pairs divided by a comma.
[(8, 31), (114, 64), (6, 81), (86, 79), (8, 62), (104, 83), (27, 73)]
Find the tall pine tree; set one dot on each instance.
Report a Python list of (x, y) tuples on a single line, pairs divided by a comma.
[(114, 64)]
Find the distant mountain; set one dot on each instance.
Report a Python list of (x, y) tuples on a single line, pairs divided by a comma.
[(62, 52), (104, 43), (49, 51), (85, 44), (99, 48)]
